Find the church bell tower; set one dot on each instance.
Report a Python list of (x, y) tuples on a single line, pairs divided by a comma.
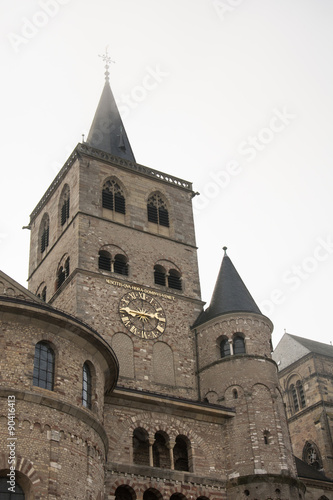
[(113, 243)]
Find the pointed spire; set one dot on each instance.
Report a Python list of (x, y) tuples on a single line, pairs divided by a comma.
[(107, 131), (230, 294)]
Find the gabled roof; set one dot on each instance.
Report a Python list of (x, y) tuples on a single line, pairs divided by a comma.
[(107, 131), (314, 346), (11, 288), (292, 348), (230, 294)]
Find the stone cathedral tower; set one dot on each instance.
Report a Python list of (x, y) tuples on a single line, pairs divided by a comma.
[(197, 413)]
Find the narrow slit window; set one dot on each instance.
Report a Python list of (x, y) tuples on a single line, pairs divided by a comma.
[(86, 386)]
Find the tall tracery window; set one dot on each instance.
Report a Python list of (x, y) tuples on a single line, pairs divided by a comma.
[(157, 210), (5, 494), (64, 205), (44, 233), (43, 374), (238, 344), (297, 396), (113, 197), (300, 393), (224, 347), (63, 273), (86, 386)]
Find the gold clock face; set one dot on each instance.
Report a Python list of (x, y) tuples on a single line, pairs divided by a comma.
[(142, 315)]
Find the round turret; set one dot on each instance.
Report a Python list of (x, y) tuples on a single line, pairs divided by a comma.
[(236, 370), (55, 371)]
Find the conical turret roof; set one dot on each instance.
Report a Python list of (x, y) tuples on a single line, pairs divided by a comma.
[(230, 294), (107, 131)]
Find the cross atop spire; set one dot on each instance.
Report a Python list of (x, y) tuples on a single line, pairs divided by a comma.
[(107, 59)]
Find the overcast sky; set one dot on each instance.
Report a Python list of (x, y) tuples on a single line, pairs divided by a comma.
[(232, 95)]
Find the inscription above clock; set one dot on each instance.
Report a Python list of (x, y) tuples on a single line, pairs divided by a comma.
[(142, 315)]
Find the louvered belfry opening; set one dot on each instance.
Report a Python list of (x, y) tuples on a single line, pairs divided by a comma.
[(174, 280), (63, 273), (44, 239), (159, 275), (157, 211), (104, 260), (121, 264), (113, 197), (65, 211)]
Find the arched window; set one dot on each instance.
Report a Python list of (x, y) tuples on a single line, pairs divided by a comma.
[(121, 264), (63, 273), (300, 394), (238, 344), (297, 396), (86, 386), (152, 494), (113, 197), (312, 456), (174, 279), (124, 492), (104, 260), (161, 454), (235, 394), (5, 494), (44, 233), (41, 292), (43, 374), (140, 447), (157, 210), (224, 347), (64, 205), (159, 275), (294, 397), (180, 454)]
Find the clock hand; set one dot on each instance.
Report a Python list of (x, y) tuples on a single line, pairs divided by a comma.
[(136, 313)]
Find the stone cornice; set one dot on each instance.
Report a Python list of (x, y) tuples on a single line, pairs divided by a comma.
[(84, 149), (191, 408), (151, 473)]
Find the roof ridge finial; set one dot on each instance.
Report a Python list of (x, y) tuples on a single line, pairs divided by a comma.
[(225, 251), (107, 59)]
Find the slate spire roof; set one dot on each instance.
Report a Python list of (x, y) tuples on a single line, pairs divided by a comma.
[(230, 294), (107, 131)]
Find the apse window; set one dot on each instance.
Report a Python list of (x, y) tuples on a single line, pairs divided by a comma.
[(43, 374)]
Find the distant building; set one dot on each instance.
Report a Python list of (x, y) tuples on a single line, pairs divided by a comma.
[(306, 378)]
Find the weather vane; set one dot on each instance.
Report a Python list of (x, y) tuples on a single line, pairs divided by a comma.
[(107, 59)]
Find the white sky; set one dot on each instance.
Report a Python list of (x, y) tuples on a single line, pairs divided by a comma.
[(225, 73)]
